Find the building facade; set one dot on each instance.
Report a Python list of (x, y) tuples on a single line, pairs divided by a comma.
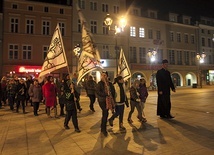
[(28, 28), (27, 31)]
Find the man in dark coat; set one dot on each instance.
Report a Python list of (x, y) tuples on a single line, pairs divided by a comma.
[(164, 83), (105, 89)]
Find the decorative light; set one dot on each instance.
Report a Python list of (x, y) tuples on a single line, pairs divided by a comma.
[(108, 21), (119, 27), (201, 57), (152, 54)]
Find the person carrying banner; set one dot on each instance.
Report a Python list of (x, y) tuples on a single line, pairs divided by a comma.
[(70, 107)]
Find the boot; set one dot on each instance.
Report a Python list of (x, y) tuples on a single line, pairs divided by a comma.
[(122, 128), (48, 112), (55, 113)]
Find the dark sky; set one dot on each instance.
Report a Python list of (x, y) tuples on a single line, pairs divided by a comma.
[(188, 7)]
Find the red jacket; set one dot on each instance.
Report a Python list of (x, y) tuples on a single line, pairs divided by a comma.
[(49, 91)]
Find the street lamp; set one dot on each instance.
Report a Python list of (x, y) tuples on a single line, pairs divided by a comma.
[(200, 58), (118, 28), (77, 52), (152, 56)]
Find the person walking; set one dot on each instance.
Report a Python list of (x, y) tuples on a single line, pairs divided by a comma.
[(105, 94), (11, 93), (29, 82), (135, 101), (143, 94), (120, 101), (164, 83), (60, 88), (70, 107), (21, 95), (91, 91), (4, 89), (50, 93), (35, 93)]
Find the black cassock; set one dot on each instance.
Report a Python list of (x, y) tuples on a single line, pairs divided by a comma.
[(164, 83)]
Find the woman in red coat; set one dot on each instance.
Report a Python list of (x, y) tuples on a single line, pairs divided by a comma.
[(50, 92)]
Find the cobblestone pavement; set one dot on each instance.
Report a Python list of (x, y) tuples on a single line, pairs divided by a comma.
[(191, 132)]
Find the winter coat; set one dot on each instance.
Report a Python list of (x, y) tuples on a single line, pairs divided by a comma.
[(35, 92), (49, 91)]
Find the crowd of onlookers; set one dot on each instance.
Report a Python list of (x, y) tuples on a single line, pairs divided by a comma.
[(14, 92)]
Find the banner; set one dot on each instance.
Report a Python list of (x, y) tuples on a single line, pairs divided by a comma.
[(56, 57), (123, 68), (89, 58)]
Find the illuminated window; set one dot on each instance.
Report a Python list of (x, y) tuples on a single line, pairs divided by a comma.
[(132, 31), (141, 32)]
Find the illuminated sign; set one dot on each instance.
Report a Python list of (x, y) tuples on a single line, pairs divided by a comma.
[(29, 70)]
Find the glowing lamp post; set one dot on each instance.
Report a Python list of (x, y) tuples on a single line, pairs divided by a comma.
[(200, 58), (118, 28), (152, 57)]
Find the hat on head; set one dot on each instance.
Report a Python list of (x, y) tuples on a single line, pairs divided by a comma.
[(165, 61)]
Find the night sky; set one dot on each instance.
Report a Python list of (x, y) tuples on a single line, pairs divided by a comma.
[(187, 7)]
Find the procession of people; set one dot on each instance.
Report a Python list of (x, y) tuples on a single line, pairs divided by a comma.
[(111, 97)]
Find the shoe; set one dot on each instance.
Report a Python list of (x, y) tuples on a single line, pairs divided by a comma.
[(130, 121), (77, 130), (66, 127), (36, 115), (80, 109), (170, 116), (163, 116), (144, 120), (105, 133), (92, 110), (110, 122), (57, 117), (122, 128)]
